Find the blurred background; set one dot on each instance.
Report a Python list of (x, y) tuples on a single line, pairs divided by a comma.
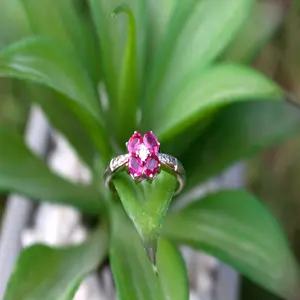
[(273, 175)]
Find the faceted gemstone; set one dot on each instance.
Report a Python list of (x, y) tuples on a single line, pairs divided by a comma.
[(134, 143), (143, 152), (151, 166), (135, 166), (151, 142)]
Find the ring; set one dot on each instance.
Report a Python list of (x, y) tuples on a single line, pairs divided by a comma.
[(144, 161)]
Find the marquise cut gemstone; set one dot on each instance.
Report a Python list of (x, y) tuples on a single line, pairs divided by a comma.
[(151, 166), (134, 143), (151, 142), (135, 166)]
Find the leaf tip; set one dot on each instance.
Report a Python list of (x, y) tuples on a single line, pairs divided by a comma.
[(121, 8), (151, 253)]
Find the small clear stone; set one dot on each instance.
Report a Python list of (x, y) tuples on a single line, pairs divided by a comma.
[(143, 152)]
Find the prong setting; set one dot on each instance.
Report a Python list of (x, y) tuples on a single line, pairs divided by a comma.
[(145, 170)]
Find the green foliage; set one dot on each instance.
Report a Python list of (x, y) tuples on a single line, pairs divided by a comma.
[(157, 65), (128, 89), (41, 61), (256, 31), (51, 273), (172, 271), (235, 227), (147, 204), (65, 121), (205, 29), (216, 87), (224, 142), (21, 171), (134, 275)]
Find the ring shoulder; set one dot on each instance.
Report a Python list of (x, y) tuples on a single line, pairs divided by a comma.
[(169, 161), (118, 162)]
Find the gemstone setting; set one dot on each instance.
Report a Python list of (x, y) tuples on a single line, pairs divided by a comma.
[(134, 142), (135, 166), (143, 152), (143, 162), (151, 166), (151, 142)]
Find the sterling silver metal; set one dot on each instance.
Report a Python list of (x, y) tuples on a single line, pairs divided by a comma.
[(168, 163)]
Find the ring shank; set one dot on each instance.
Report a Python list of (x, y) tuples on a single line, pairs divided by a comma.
[(168, 162), (173, 165)]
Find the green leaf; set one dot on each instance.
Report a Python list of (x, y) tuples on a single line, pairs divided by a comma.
[(42, 61), (259, 28), (128, 87), (160, 12), (172, 271), (63, 21), (146, 203), (237, 132), (206, 93), (134, 276), (133, 273), (234, 227), (48, 273), (196, 34), (13, 23), (24, 173), (111, 33)]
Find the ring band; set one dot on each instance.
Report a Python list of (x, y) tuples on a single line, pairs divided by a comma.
[(168, 162), (144, 161)]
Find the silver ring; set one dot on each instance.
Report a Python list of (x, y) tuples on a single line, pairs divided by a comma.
[(144, 161)]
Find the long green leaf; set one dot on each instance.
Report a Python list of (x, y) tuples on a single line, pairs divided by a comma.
[(172, 271), (237, 132), (217, 87), (13, 23), (146, 204), (63, 21), (259, 28), (196, 34), (24, 173), (111, 34), (49, 273), (42, 61), (126, 111), (133, 273), (160, 12), (236, 228)]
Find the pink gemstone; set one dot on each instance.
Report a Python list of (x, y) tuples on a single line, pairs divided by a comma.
[(151, 142), (151, 166), (135, 166), (134, 143)]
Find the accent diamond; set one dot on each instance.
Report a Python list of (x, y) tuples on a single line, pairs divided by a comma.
[(143, 152)]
